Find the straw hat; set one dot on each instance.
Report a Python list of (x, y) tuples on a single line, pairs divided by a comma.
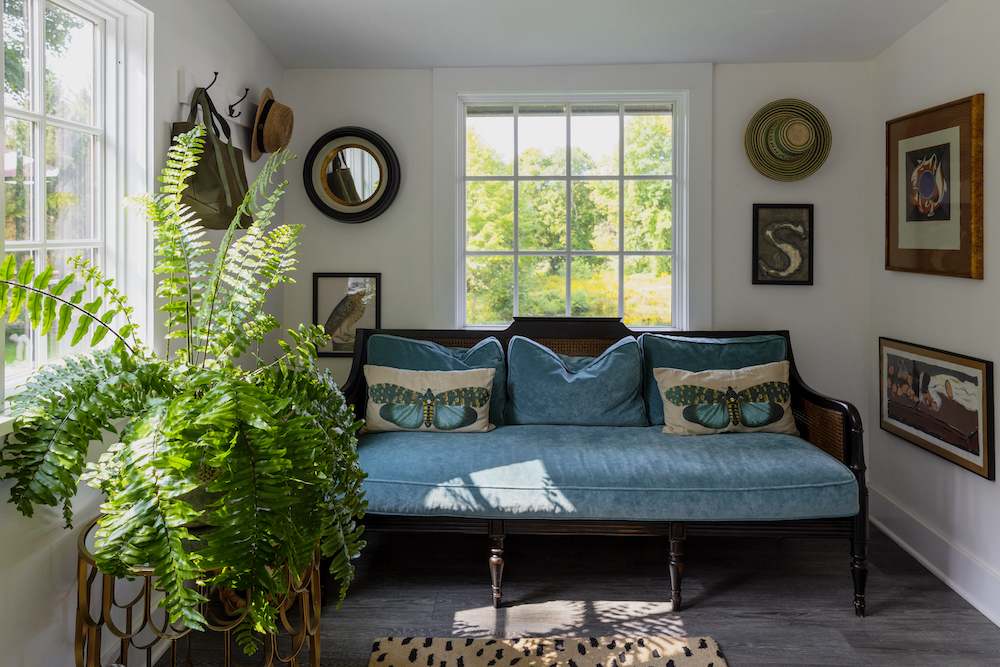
[(272, 128), (788, 140)]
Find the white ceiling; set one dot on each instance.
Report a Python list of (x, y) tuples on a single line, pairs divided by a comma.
[(390, 34)]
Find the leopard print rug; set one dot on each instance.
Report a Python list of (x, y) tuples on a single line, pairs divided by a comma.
[(546, 652)]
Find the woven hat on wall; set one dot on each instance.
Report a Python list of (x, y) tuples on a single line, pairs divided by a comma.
[(788, 140), (272, 128)]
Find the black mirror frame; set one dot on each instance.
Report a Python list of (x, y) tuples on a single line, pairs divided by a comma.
[(364, 211)]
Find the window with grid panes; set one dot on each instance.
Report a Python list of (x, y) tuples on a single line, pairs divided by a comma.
[(63, 73), (569, 210)]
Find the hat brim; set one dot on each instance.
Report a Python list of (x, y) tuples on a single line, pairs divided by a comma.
[(783, 169), (255, 149)]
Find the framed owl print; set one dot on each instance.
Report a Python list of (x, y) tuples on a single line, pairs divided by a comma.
[(934, 190), (342, 303)]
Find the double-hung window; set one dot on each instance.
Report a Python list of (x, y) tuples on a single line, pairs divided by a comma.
[(570, 207), (75, 107)]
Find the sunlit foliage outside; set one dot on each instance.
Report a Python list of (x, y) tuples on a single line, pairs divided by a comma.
[(569, 234)]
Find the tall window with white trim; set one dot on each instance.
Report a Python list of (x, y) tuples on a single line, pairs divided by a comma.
[(569, 210), (64, 143)]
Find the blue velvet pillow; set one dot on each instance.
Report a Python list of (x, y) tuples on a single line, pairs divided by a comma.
[(548, 388), (423, 355), (701, 354)]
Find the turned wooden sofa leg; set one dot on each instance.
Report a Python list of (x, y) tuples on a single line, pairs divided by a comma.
[(859, 565), (496, 530), (678, 533), (859, 541)]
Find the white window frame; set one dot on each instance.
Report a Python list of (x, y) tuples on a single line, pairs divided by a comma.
[(692, 216), (124, 150), (678, 101)]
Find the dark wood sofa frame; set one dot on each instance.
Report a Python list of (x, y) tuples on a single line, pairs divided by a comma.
[(832, 425)]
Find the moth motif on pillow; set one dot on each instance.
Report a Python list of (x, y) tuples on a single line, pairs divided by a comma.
[(755, 398), (447, 410), (448, 401)]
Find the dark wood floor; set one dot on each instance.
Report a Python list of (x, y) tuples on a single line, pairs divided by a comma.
[(767, 602)]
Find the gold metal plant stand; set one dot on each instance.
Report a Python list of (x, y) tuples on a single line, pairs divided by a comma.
[(142, 632)]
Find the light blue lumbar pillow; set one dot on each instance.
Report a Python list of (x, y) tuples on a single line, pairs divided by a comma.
[(423, 355), (702, 354), (548, 388)]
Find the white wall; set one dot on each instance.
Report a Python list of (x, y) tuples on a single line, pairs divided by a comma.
[(37, 556), (944, 514), (395, 104), (827, 320)]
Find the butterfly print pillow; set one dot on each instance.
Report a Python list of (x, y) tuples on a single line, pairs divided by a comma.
[(448, 401), (744, 400)]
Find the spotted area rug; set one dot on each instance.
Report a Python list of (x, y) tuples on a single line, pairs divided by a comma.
[(546, 652)]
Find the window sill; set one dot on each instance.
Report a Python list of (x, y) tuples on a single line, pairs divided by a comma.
[(6, 425)]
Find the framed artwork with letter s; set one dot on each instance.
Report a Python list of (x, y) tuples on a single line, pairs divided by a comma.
[(934, 190), (782, 244)]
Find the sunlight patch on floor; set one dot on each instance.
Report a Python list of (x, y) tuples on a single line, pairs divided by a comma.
[(565, 618)]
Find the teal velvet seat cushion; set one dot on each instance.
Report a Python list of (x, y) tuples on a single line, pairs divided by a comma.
[(701, 354), (544, 387), (423, 355), (594, 472)]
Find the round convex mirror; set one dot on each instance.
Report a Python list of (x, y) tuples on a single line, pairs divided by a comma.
[(351, 174)]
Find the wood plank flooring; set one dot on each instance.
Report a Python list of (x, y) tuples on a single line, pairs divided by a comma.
[(767, 602)]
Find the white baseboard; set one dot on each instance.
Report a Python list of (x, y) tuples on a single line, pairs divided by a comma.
[(962, 571)]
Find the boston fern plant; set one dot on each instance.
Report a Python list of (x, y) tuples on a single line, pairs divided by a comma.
[(275, 438)]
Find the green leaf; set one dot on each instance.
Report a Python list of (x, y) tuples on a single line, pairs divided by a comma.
[(18, 295), (65, 317), (48, 314), (9, 267), (43, 278), (82, 327), (26, 272), (63, 284)]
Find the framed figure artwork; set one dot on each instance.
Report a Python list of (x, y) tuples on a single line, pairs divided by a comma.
[(782, 244), (940, 401), (934, 190), (343, 302)]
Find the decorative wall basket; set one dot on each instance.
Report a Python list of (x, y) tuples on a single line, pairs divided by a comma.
[(351, 174), (788, 140)]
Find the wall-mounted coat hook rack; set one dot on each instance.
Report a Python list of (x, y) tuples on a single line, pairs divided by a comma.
[(233, 105), (241, 112)]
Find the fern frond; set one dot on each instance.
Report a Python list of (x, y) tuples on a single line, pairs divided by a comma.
[(36, 294), (144, 519), (218, 295), (334, 503), (63, 407)]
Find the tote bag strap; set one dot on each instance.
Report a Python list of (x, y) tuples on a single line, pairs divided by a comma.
[(210, 116), (216, 116)]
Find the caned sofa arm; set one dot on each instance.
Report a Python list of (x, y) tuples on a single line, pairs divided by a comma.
[(831, 424)]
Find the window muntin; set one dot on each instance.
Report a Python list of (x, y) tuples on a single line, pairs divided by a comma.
[(54, 133), (569, 210)]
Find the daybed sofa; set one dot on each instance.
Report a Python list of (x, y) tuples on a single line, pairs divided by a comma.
[(553, 465)]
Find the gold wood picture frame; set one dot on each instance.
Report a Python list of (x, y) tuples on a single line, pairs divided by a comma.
[(934, 190)]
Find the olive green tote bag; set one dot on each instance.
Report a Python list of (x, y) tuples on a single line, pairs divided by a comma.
[(219, 183)]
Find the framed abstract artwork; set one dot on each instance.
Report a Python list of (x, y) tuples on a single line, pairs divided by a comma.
[(934, 190), (940, 401), (343, 302), (782, 244)]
